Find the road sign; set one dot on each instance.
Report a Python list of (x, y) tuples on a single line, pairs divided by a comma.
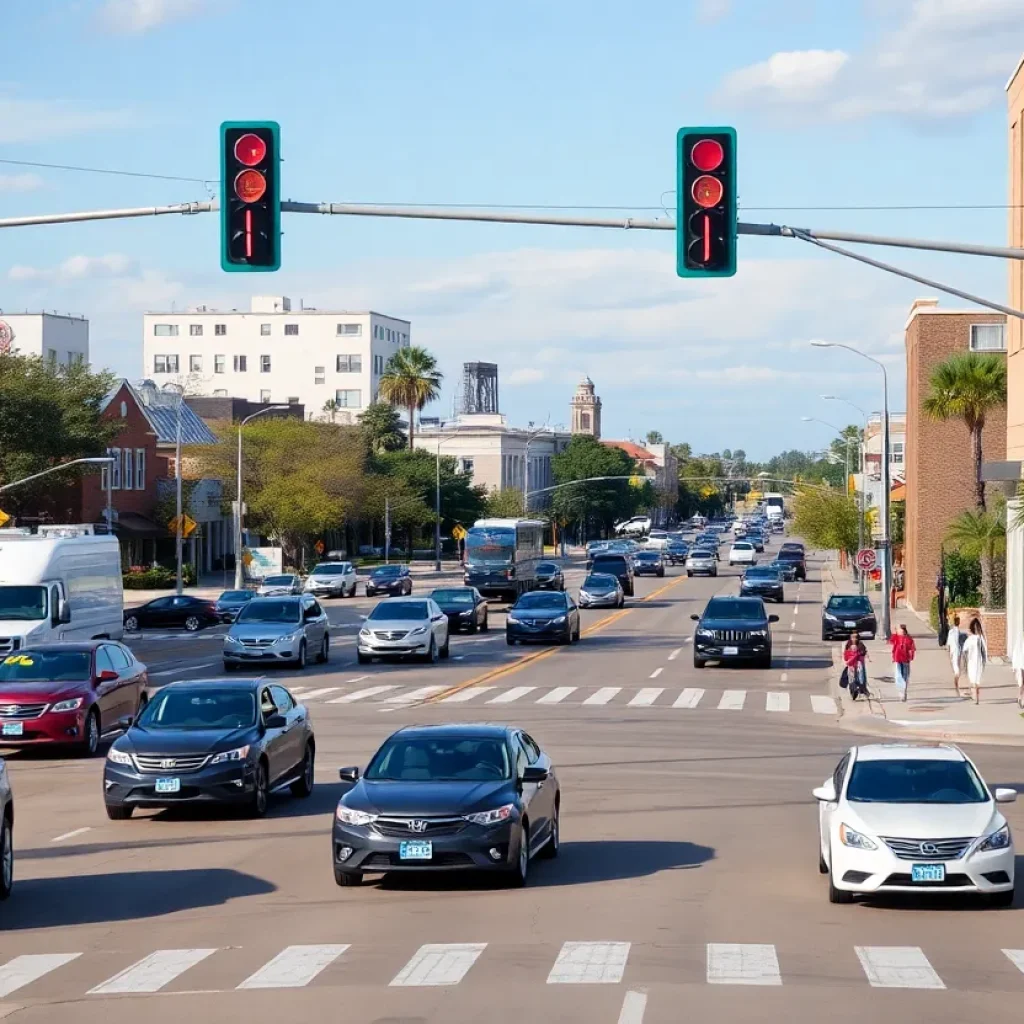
[(318, 547), (187, 525), (867, 559), (459, 532), (4, 518)]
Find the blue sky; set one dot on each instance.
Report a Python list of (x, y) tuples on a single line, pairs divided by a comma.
[(565, 103)]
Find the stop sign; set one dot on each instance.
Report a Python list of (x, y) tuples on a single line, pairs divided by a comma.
[(867, 559)]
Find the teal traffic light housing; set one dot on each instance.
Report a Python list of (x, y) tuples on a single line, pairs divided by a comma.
[(250, 196), (706, 202)]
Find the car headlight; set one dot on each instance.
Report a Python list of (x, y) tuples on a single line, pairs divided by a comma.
[(998, 840), (495, 817), (584, 595), (238, 754), (118, 756), (466, 614), (349, 816), (417, 631), (558, 621), (365, 634), (848, 837), (831, 617), (511, 618), (759, 632), (229, 639), (706, 633), (68, 705)]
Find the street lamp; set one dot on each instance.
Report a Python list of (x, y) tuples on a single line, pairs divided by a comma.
[(862, 490), (437, 503), (179, 531), (526, 467), (238, 493), (99, 460), (886, 552)]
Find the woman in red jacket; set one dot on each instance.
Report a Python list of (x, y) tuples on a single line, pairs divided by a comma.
[(903, 651)]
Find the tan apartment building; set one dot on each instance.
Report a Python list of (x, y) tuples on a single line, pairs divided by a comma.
[(939, 463)]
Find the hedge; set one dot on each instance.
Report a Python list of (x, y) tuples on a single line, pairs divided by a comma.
[(156, 577)]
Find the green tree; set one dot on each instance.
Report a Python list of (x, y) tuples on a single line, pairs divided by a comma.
[(411, 379), (505, 504), (382, 427), (967, 387), (597, 504), (654, 437), (981, 534), (826, 518)]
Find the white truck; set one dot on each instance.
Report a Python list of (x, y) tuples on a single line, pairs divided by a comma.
[(638, 526), (59, 588), (774, 505)]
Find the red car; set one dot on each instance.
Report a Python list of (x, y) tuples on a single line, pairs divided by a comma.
[(71, 694)]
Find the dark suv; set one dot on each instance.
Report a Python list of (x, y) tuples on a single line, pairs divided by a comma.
[(733, 629), (795, 557), (620, 566), (845, 613)]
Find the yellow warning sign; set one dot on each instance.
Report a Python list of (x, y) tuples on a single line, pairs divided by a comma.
[(459, 532), (4, 518), (187, 526)]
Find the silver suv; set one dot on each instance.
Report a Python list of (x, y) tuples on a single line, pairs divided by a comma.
[(701, 562), (332, 579), (6, 833), (278, 629), (403, 626)]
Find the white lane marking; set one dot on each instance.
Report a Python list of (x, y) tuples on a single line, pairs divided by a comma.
[(463, 695), (71, 834), (585, 963), (151, 973), (796, 607), (783, 677), (510, 695), (458, 657), (789, 639), (792, 625), (732, 700), (672, 657), (558, 694), (1016, 957), (356, 679), (603, 695), (439, 964), (29, 967), (689, 698), (415, 695), (776, 702), (294, 967), (646, 697), (657, 672), (182, 668), (297, 691), (688, 640), (370, 691), (822, 705), (732, 963), (633, 1007), (322, 692), (897, 967)]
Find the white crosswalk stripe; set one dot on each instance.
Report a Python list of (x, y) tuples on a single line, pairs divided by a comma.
[(732, 963), (689, 698), (29, 967), (897, 967), (510, 695), (370, 691), (1015, 956), (419, 694), (732, 700), (603, 696), (439, 964), (822, 704), (647, 696), (557, 695), (469, 694), (152, 973), (588, 963), (294, 967), (776, 702), (323, 691)]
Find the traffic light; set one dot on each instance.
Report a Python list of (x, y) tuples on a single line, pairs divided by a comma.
[(706, 202), (250, 196)]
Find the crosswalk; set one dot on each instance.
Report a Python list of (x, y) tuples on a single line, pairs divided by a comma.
[(447, 964), (659, 697)]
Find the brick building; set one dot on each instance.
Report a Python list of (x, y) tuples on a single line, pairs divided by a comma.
[(939, 463)]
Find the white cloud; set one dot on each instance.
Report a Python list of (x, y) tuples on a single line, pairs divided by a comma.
[(525, 375), (20, 182), (134, 17), (932, 60), (76, 268), (25, 120), (709, 11)]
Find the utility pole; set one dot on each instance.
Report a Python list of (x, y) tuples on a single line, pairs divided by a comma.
[(861, 491), (387, 530)]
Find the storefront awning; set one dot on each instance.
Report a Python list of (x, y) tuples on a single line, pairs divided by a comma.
[(133, 525)]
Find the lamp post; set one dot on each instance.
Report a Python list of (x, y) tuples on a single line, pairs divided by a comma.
[(239, 580), (437, 503), (179, 528), (861, 492), (526, 467), (886, 552)]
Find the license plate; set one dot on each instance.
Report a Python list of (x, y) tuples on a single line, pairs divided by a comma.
[(850, 625), (416, 851), (14, 728), (928, 873), (168, 785), (730, 650)]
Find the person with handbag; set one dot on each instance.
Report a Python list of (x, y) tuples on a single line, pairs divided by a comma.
[(903, 651), (855, 656)]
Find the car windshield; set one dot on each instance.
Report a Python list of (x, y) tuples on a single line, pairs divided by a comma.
[(600, 581), (540, 600), (849, 605), (399, 611), (547, 567), (767, 573), (270, 611), (207, 707), (440, 759), (235, 596), (915, 781), (647, 556), (453, 596), (331, 569), (30, 666), (613, 563), (791, 556), (22, 604), (725, 608), (386, 570), (278, 581), (742, 547), (700, 553), (491, 545)]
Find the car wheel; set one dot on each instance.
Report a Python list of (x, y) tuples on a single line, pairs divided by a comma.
[(474, 627), (447, 649), (579, 634), (431, 655), (131, 623), (485, 625), (119, 812), (193, 623), (765, 662), (551, 847), (698, 662), (91, 736), (303, 787), (714, 572), (837, 895), (230, 666), (143, 701), (300, 661), (6, 858), (362, 659), (348, 879), (260, 794), (509, 640), (325, 650), (521, 872), (622, 601), (688, 573), (822, 866), (995, 899)]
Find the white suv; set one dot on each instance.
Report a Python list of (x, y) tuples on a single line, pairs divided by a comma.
[(332, 579), (742, 553), (635, 527)]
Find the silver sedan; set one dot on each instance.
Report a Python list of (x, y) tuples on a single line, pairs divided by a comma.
[(403, 627)]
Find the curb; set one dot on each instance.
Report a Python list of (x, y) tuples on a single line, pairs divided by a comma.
[(865, 724)]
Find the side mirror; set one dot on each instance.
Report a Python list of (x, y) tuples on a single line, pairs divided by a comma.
[(124, 723), (1005, 796), (534, 775), (773, 618), (65, 613), (348, 774), (276, 722), (825, 793), (107, 676), (696, 618)]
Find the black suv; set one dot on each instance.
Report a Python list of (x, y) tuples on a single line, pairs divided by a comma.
[(733, 629), (620, 566), (795, 556), (764, 582), (845, 613)]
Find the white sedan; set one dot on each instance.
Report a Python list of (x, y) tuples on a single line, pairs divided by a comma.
[(913, 818), (742, 553)]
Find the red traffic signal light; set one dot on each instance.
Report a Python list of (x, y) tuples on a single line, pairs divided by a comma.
[(706, 202), (250, 197)]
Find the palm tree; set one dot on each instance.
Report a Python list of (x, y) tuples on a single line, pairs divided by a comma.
[(967, 386), (331, 407), (981, 534), (411, 379), (382, 427)]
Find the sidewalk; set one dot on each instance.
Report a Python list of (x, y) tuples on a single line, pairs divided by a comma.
[(932, 710)]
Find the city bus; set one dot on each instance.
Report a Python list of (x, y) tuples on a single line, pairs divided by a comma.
[(502, 556)]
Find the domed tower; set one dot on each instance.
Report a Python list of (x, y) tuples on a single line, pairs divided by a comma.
[(586, 410)]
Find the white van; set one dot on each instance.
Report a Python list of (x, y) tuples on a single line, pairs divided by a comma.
[(55, 588)]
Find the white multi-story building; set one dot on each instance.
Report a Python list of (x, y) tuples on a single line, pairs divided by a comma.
[(62, 339), (274, 353)]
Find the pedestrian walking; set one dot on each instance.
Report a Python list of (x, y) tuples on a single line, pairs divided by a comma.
[(903, 651), (955, 645), (855, 655), (975, 657)]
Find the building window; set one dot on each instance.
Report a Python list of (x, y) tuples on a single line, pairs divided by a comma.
[(195, 364), (128, 477), (140, 469), (218, 364), (291, 330), (584, 420), (318, 374), (264, 396), (350, 364), (293, 401), (51, 355), (165, 364), (220, 392), (897, 452), (220, 329), (265, 330), (195, 330), (264, 364), (165, 330), (988, 337), (240, 364), (351, 329), (115, 468), (348, 399), (467, 467)]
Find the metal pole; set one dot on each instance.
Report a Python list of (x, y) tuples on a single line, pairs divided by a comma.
[(437, 512), (886, 546), (238, 514), (180, 531), (109, 515), (98, 461), (526, 477), (387, 530)]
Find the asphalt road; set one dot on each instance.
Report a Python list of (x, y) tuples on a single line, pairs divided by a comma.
[(687, 883)]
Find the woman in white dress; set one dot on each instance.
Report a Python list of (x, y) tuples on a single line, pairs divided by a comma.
[(955, 644), (975, 657)]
